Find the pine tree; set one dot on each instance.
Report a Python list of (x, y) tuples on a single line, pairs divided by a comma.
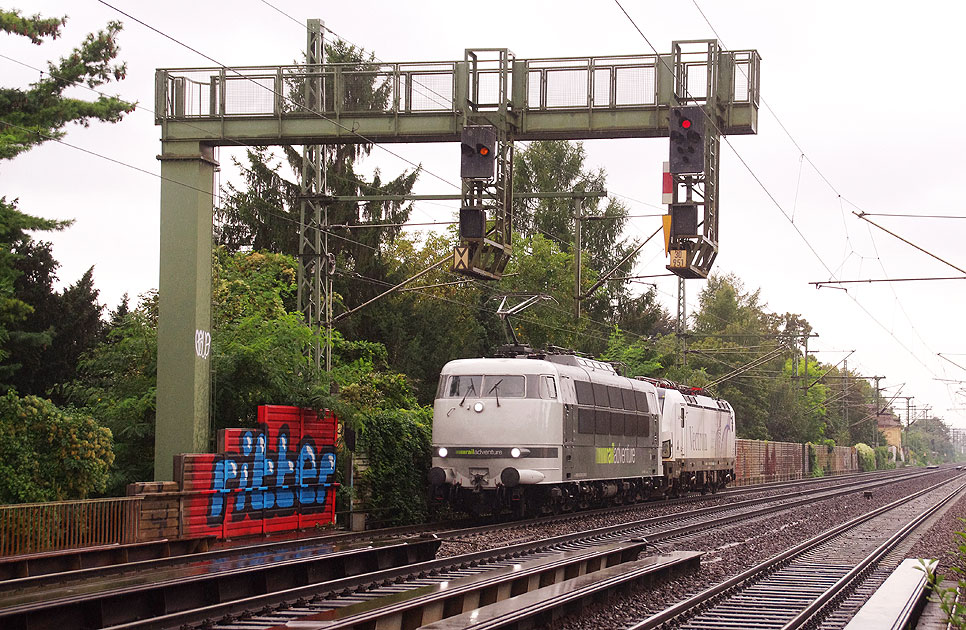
[(32, 116)]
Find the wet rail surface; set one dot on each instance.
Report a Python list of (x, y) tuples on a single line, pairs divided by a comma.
[(282, 607), (819, 582), (262, 551), (250, 559)]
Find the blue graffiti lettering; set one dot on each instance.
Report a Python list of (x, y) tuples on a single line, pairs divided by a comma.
[(283, 480)]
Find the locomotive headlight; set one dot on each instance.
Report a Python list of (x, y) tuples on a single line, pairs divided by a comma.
[(514, 452), (442, 452), (478, 406)]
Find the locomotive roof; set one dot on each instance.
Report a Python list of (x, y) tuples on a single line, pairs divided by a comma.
[(571, 366)]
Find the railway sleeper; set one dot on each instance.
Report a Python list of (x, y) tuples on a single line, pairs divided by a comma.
[(454, 596)]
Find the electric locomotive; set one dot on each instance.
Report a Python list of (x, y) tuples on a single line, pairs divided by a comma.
[(547, 432)]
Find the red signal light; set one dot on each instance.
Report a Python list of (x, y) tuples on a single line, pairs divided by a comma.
[(484, 151), (685, 123)]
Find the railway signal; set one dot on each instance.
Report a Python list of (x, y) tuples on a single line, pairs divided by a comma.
[(686, 128), (478, 152)]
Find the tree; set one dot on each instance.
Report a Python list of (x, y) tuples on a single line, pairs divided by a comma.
[(34, 116), (260, 345), (61, 325), (29, 117), (49, 455), (117, 382), (559, 166)]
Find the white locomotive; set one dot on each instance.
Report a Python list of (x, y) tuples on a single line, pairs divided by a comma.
[(546, 432)]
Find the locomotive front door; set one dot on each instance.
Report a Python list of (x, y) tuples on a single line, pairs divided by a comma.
[(570, 432)]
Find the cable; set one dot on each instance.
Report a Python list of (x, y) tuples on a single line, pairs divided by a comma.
[(775, 201), (277, 94)]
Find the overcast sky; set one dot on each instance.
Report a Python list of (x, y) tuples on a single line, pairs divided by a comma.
[(862, 111)]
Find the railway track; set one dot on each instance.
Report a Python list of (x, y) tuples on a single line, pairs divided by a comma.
[(202, 591), (813, 581), (265, 610)]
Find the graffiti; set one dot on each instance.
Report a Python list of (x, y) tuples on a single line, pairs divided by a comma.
[(202, 343), (276, 477), (264, 478)]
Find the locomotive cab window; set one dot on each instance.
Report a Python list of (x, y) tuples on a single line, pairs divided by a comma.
[(463, 385), (489, 386), (504, 386), (548, 387)]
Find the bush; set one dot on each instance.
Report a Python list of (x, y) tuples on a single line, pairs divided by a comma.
[(398, 444), (883, 458), (816, 470), (866, 457), (47, 454)]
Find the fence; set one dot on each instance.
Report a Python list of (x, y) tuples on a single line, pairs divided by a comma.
[(760, 461), (40, 527)]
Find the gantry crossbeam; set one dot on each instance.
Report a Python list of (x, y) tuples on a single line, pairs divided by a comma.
[(572, 98)]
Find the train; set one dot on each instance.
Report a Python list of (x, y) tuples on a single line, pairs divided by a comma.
[(551, 432)]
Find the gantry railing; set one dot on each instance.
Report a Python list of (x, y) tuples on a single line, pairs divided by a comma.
[(525, 90)]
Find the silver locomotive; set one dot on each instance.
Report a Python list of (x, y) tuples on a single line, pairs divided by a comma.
[(545, 433)]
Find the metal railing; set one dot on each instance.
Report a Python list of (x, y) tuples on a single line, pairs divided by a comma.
[(41, 527), (593, 83)]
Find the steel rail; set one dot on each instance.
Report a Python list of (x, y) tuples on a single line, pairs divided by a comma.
[(873, 480), (369, 585), (689, 606), (820, 605), (31, 572)]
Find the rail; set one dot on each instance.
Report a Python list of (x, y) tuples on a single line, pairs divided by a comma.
[(54, 526)]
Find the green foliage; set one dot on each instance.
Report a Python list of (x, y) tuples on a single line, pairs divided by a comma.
[(883, 458), (949, 597), (34, 116), (397, 443), (61, 325), (260, 347), (39, 114), (36, 28), (117, 383), (929, 441), (638, 357), (559, 165), (47, 454), (817, 470), (15, 227), (867, 457)]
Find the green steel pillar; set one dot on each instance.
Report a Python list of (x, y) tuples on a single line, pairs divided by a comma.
[(184, 291)]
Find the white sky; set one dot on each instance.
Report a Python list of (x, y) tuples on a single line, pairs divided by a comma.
[(865, 89)]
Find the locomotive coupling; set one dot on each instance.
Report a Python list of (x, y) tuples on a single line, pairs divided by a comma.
[(512, 477)]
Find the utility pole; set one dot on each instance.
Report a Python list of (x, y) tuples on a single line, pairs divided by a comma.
[(577, 245), (845, 391), (312, 189), (875, 418)]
